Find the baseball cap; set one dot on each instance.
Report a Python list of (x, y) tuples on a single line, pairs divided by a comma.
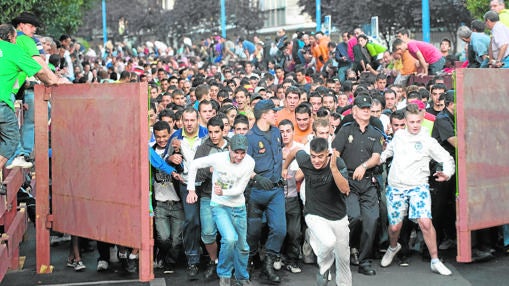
[(26, 17), (238, 142), (255, 95), (263, 106), (259, 88), (362, 101)]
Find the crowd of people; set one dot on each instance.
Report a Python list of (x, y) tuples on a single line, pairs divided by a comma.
[(277, 153)]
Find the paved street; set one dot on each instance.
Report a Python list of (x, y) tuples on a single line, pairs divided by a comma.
[(494, 272)]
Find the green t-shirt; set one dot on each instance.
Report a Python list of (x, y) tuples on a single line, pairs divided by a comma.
[(504, 17), (28, 45), (13, 60)]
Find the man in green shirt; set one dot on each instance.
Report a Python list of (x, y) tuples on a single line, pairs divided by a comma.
[(26, 25), (13, 60), (499, 7)]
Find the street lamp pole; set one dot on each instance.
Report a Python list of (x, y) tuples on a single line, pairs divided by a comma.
[(318, 16), (223, 19), (425, 21), (105, 29)]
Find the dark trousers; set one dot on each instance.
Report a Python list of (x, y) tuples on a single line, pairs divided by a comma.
[(272, 202), (293, 240), (191, 232), (104, 250), (363, 212), (443, 208)]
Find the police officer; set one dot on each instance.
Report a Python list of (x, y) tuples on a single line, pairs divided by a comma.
[(359, 144), (266, 194)]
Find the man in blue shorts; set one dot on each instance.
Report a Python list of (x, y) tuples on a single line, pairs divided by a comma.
[(408, 188)]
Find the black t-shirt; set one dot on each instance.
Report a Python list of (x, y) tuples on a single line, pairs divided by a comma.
[(443, 129), (323, 197)]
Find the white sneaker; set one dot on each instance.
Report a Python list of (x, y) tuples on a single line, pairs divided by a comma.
[(278, 263), (20, 162), (79, 266), (102, 265), (440, 268), (389, 255)]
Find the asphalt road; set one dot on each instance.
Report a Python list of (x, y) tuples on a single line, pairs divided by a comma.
[(494, 272)]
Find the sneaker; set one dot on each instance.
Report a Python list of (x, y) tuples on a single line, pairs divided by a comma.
[(278, 263), (54, 240), (79, 266), (158, 264), (168, 268), (20, 162), (192, 272), (446, 244), (210, 272), (242, 283), (70, 262), (102, 265), (131, 265), (403, 261), (389, 255), (223, 281), (293, 267), (440, 268), (322, 279)]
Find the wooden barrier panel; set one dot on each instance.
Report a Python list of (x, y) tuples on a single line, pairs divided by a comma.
[(483, 164), (100, 184), (13, 221)]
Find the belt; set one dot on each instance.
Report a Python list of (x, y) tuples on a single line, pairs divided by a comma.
[(366, 174), (280, 184), (170, 203)]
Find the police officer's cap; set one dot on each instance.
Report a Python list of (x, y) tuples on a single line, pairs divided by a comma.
[(362, 101)]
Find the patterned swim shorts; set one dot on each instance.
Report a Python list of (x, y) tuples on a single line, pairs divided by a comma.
[(416, 202)]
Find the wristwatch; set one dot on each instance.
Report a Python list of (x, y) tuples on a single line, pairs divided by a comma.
[(364, 165)]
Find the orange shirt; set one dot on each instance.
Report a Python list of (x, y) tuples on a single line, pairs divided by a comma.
[(408, 62), (286, 114), (302, 136)]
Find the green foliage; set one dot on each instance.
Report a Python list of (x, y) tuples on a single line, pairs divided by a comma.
[(478, 7), (58, 16), (11, 8)]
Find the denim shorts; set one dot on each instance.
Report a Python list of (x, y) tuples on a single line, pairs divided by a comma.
[(415, 201), (9, 131)]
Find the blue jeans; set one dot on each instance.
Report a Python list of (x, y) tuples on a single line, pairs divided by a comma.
[(437, 66), (26, 144), (208, 226), (506, 234), (234, 252), (342, 72), (168, 224), (191, 232), (9, 131), (272, 202), (505, 61)]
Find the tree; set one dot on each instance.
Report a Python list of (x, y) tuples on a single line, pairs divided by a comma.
[(58, 16), (477, 8)]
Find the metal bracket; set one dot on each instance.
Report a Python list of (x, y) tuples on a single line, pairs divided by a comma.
[(49, 221)]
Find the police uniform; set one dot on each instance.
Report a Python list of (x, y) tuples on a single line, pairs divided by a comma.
[(356, 147), (266, 150)]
